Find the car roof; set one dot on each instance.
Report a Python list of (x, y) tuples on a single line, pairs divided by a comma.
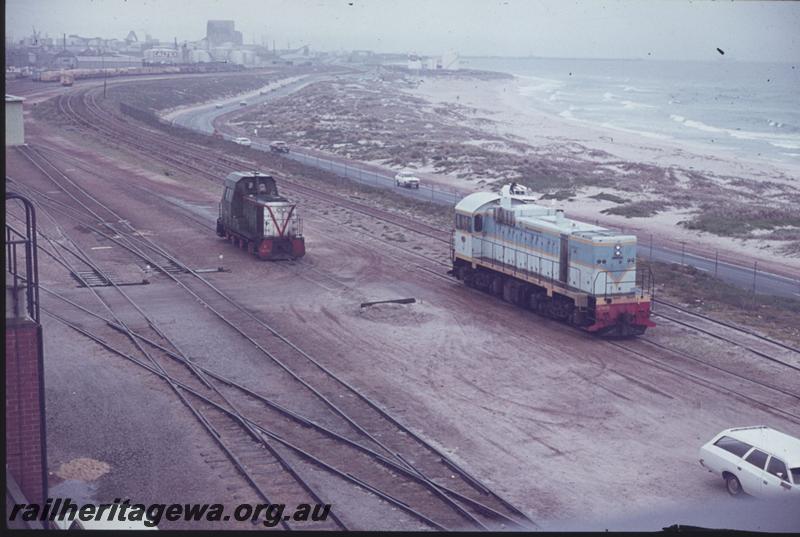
[(783, 446)]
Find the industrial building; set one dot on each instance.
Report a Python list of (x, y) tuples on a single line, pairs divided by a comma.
[(15, 126), (448, 61), (222, 32)]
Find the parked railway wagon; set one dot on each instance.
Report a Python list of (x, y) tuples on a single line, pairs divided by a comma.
[(535, 257), (254, 216)]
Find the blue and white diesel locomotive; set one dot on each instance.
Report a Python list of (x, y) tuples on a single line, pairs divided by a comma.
[(535, 257)]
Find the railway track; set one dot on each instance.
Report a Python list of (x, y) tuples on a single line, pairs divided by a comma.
[(442, 236), (186, 156), (474, 505), (728, 332), (736, 383)]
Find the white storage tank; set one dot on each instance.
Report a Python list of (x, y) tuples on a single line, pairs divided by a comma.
[(237, 57), (249, 57), (199, 56), (220, 54)]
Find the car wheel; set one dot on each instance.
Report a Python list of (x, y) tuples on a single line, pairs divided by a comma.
[(733, 485)]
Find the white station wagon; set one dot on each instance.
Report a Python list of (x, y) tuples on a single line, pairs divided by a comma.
[(407, 179), (756, 460), (242, 141)]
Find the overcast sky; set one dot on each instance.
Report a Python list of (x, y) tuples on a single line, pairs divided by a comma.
[(675, 29)]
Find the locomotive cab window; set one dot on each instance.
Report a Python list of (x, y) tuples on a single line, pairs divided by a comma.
[(478, 223), (462, 222)]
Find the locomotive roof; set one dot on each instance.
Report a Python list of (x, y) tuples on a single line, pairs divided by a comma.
[(539, 217), (235, 177), (475, 201)]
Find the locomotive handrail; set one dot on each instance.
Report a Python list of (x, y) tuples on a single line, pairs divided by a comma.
[(539, 274), (26, 277), (638, 289), (645, 289)]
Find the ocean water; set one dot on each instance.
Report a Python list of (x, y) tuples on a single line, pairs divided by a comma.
[(752, 109)]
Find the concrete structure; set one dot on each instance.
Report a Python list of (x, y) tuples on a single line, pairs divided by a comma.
[(26, 447), (15, 126), (199, 56), (219, 32), (450, 61), (446, 62)]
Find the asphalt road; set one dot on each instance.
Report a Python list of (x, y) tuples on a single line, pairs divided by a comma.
[(747, 277), (202, 118)]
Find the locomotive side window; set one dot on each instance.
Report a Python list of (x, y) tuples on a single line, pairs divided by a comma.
[(478, 223)]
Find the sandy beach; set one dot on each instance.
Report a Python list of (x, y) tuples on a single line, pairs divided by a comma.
[(477, 130), (501, 106)]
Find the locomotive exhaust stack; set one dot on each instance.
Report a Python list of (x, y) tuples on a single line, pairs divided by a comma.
[(252, 215)]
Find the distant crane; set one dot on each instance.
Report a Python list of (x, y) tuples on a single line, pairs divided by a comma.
[(35, 36), (450, 59)]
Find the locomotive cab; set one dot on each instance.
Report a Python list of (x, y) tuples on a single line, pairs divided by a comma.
[(253, 215)]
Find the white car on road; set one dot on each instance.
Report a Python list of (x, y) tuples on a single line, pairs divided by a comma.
[(407, 179), (757, 460), (242, 141)]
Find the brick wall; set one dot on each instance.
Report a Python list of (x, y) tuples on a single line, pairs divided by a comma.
[(26, 456)]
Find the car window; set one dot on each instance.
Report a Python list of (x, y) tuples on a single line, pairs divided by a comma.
[(732, 445), (776, 466), (795, 475), (757, 458)]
